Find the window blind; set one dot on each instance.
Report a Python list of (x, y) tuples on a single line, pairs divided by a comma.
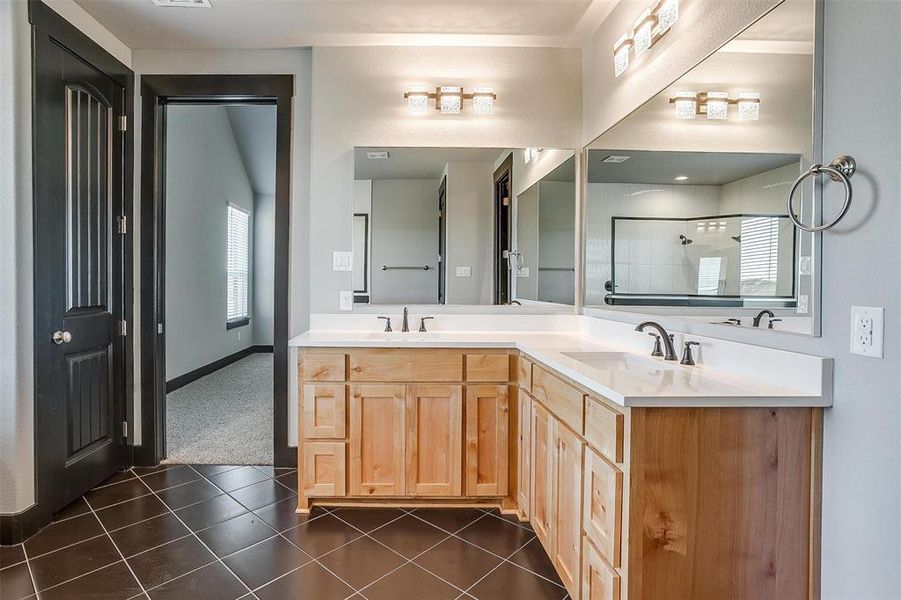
[(759, 256), (237, 263)]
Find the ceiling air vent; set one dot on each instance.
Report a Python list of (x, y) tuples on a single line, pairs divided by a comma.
[(616, 159), (377, 155), (184, 3)]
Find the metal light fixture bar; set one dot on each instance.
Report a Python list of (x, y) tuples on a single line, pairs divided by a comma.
[(453, 97), (650, 26), (702, 101)]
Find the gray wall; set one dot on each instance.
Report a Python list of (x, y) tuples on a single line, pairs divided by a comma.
[(204, 173), (556, 241), (263, 310), (404, 233), (526, 243), (470, 221)]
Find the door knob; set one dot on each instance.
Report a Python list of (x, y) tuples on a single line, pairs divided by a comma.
[(61, 337)]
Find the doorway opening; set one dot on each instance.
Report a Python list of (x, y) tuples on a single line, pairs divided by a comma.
[(215, 190), (503, 213)]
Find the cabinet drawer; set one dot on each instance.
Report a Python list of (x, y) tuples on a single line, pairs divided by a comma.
[(524, 374), (406, 365), (322, 367), (602, 511), (487, 367), (323, 469), (599, 580), (604, 429), (324, 410), (559, 397)]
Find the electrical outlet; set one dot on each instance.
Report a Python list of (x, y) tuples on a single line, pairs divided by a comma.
[(867, 330), (802, 304), (345, 300), (804, 265), (464, 271), (342, 261), (523, 272)]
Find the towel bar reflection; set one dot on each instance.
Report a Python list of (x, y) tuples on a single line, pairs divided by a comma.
[(840, 169), (422, 268)]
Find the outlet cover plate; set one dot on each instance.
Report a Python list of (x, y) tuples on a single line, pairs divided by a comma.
[(867, 330), (345, 300), (464, 271)]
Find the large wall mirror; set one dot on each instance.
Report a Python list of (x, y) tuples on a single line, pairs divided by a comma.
[(686, 197), (464, 226)]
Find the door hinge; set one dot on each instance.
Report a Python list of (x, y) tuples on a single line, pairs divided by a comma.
[(123, 123), (125, 429), (123, 328), (122, 224)]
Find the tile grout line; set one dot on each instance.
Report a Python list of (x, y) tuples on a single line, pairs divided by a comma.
[(496, 567), (196, 536), (116, 546), (532, 533), (34, 584), (281, 535)]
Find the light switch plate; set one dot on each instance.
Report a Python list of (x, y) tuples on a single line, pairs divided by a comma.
[(342, 261), (802, 304), (867, 330), (345, 300), (464, 271)]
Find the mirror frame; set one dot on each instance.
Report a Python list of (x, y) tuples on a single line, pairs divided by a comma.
[(816, 273)]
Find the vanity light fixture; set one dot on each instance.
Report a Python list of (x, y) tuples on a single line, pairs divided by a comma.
[(530, 154), (649, 27), (681, 178), (715, 105), (449, 100)]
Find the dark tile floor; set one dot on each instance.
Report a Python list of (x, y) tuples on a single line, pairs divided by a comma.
[(225, 532)]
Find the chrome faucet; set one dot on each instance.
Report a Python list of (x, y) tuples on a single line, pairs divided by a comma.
[(405, 326), (760, 315), (667, 338)]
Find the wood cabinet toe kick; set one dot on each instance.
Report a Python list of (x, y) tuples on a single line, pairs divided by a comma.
[(629, 503)]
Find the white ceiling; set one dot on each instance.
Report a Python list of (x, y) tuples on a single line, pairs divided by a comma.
[(246, 24), (701, 168), (416, 163)]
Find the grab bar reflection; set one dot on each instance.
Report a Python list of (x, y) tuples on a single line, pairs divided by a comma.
[(423, 268)]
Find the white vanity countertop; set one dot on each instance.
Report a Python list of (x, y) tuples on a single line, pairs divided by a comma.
[(645, 381)]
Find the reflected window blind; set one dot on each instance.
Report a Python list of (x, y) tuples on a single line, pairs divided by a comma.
[(759, 256), (237, 263)]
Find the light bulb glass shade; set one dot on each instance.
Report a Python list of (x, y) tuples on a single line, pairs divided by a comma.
[(483, 100), (667, 15), (748, 106), (717, 105), (418, 100), (451, 100), (686, 104), (643, 36), (621, 55)]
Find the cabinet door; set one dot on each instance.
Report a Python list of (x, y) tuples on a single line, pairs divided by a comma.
[(324, 411), (323, 469), (434, 444), (542, 475), (487, 445), (524, 456), (567, 512), (377, 440), (599, 580), (603, 512)]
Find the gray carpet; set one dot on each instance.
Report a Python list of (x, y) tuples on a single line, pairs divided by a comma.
[(224, 418)]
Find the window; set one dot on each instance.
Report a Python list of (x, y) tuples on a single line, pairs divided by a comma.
[(759, 256), (237, 265)]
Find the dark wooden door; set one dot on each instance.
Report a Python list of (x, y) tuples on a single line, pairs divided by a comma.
[(442, 242), (79, 350), (502, 221)]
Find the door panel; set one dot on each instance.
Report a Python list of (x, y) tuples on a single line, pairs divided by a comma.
[(323, 470), (599, 580), (542, 475), (524, 469), (603, 506), (487, 424), (377, 440), (567, 503), (434, 440), (324, 411), (79, 193)]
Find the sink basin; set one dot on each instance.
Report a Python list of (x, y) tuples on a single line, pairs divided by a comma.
[(619, 361)]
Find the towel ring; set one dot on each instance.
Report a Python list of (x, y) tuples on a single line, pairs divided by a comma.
[(840, 169)]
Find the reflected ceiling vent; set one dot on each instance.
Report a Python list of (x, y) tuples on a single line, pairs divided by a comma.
[(616, 159), (184, 3), (377, 155)]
